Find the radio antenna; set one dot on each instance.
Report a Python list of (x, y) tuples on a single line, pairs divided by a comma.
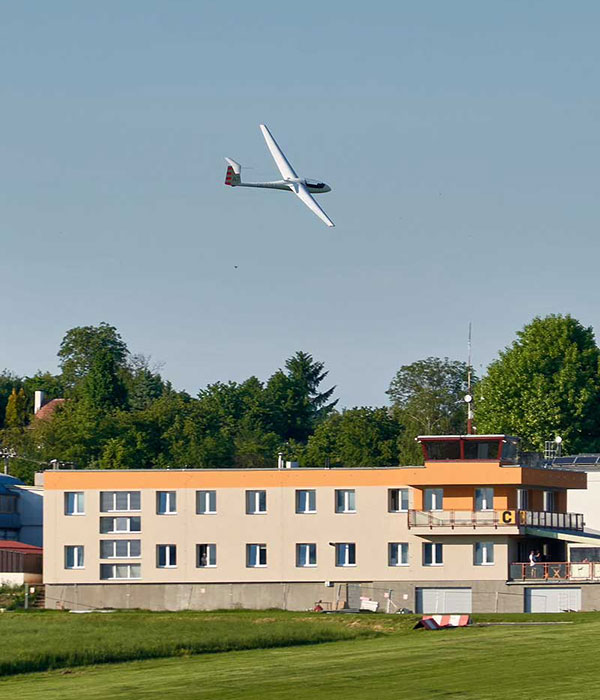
[(469, 395)]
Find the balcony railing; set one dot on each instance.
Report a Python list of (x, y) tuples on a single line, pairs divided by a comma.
[(555, 571), (494, 518)]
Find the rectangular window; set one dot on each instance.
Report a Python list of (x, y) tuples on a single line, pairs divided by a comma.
[(166, 502), (206, 502), (166, 556), (345, 554), (120, 549), (522, 499), (484, 498), (206, 555), (398, 554), (433, 554), (434, 499), (74, 556), (306, 555), (550, 501), (115, 501), (256, 502), (256, 555), (115, 525), (397, 500), (306, 501), (74, 503), (345, 501), (484, 553), (119, 571)]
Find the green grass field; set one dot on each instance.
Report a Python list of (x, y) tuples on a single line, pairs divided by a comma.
[(385, 659)]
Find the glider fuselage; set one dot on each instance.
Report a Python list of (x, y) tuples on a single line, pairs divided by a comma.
[(313, 186)]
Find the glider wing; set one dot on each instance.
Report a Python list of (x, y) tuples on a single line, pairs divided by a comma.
[(281, 161), (301, 191)]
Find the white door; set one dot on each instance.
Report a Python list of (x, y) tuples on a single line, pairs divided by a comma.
[(433, 601), (541, 600)]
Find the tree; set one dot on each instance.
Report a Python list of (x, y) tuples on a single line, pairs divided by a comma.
[(358, 437), (81, 344), (144, 383), (103, 388), (8, 382), (546, 383), (16, 410)]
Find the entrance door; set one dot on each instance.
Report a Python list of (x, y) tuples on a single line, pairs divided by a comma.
[(443, 600), (542, 600)]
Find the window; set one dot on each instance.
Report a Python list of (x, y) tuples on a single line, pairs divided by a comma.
[(484, 553), (306, 555), (522, 499), (306, 501), (74, 503), (550, 501), (433, 554), (206, 555), (345, 501), (166, 556), (111, 501), (449, 449), (74, 556), (397, 500), (206, 502), (482, 449), (114, 525), (398, 554), (345, 554), (484, 499), (8, 504), (256, 502), (166, 502), (434, 499), (120, 549), (256, 555), (119, 571)]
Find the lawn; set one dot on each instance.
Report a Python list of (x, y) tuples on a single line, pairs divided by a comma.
[(385, 658), (480, 663)]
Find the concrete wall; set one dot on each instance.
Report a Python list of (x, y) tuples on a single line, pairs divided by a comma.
[(18, 578)]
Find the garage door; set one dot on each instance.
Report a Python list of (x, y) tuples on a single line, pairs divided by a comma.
[(443, 600), (552, 599)]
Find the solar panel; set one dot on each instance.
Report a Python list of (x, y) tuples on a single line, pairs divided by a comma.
[(587, 459), (563, 460)]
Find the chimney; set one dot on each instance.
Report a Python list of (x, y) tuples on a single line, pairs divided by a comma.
[(38, 401)]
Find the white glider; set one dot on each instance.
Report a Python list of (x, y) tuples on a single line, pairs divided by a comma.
[(301, 187)]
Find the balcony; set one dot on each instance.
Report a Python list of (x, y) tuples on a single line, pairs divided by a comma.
[(493, 518), (547, 572)]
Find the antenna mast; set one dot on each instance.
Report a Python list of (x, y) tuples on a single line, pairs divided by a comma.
[(469, 396)]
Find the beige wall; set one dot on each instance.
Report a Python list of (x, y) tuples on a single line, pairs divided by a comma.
[(372, 527)]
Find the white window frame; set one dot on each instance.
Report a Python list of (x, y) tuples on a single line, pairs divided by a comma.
[(397, 554), (78, 556), (522, 499), (345, 554), (170, 551), (113, 567), (433, 499), (256, 502), (131, 544), (402, 496), (305, 551), (309, 496), (211, 556), (78, 503), (436, 554), (484, 498), (254, 554), (114, 509), (549, 500), (345, 500), (170, 503), (206, 502), (483, 554), (115, 518)]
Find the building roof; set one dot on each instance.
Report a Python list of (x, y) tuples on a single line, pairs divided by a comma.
[(48, 409), (22, 547)]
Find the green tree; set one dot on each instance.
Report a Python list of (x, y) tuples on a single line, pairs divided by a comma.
[(103, 388), (8, 382), (546, 383), (80, 346), (16, 410)]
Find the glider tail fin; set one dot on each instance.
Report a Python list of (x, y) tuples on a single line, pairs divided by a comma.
[(233, 176)]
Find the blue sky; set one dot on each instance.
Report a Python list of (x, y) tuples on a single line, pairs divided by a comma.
[(460, 139)]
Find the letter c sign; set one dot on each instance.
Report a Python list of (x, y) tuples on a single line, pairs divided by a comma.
[(508, 517)]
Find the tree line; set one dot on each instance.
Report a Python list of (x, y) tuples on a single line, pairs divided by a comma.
[(119, 411)]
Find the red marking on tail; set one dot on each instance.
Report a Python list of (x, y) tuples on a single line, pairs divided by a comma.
[(229, 175)]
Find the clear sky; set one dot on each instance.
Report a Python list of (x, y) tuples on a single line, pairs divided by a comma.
[(461, 140)]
